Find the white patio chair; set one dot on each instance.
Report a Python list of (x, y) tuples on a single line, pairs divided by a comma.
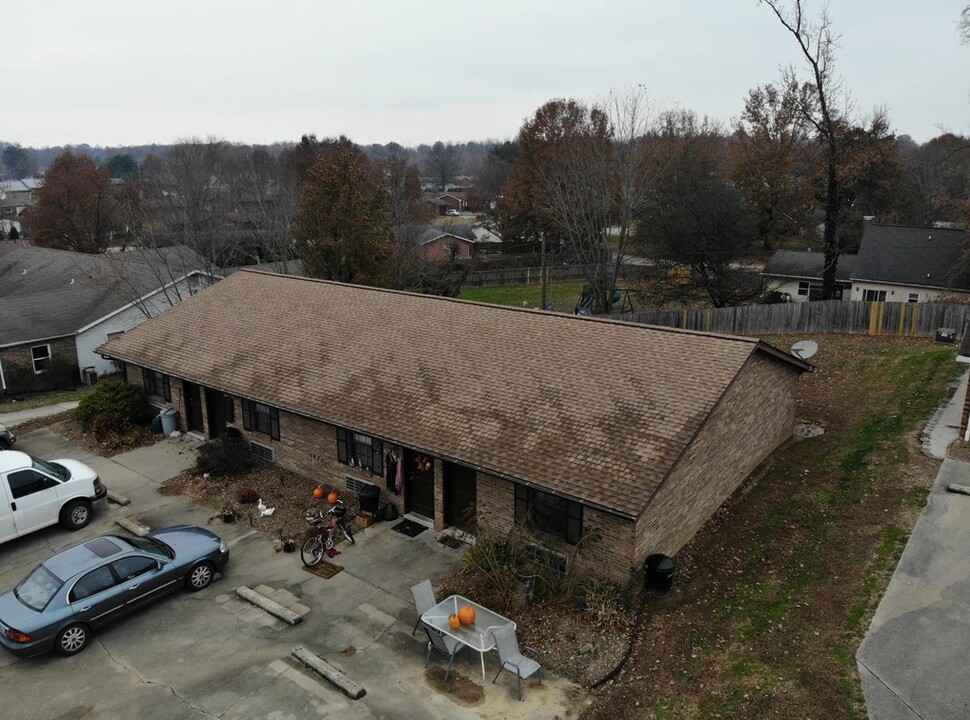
[(424, 600), (444, 644), (512, 658)]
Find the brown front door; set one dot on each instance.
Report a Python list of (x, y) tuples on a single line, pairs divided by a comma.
[(418, 484), (193, 407), (215, 405), (459, 490)]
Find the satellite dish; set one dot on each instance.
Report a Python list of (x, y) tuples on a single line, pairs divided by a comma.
[(804, 349)]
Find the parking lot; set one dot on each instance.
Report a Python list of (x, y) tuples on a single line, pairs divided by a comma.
[(211, 654)]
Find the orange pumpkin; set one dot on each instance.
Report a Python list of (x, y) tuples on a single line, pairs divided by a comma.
[(453, 622), (318, 492), (466, 615), (333, 497)]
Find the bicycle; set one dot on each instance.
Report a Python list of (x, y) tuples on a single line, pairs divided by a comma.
[(317, 545)]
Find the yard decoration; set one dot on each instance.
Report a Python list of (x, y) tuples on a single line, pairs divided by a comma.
[(453, 622), (333, 497), (466, 615), (318, 492)]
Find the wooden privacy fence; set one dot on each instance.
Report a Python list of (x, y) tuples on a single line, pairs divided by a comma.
[(823, 316)]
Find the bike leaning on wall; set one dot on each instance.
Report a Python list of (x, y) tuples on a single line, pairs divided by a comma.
[(328, 524)]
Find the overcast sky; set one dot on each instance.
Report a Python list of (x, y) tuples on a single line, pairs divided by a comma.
[(108, 72)]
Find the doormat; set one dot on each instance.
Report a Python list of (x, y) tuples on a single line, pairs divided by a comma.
[(325, 570), (409, 528)]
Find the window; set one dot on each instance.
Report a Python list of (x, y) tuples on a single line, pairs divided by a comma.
[(874, 295), (37, 589), (360, 450), (913, 297), (131, 567), (156, 384), (94, 582), (41, 357), (803, 287), (28, 482), (261, 418), (549, 513)]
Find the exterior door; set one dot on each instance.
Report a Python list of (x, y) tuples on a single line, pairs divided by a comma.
[(34, 500), (459, 491), (193, 407), (418, 484), (215, 405)]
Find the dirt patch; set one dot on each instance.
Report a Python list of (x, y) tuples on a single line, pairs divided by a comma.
[(67, 427), (459, 689)]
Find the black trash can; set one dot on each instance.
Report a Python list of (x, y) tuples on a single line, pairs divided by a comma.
[(660, 574), (369, 497)]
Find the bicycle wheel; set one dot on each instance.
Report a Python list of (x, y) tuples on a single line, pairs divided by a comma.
[(348, 533), (312, 551)]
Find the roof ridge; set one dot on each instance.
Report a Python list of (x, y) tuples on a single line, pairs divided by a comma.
[(511, 308)]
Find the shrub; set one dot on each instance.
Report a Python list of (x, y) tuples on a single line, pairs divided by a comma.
[(224, 456), (114, 405), (605, 603)]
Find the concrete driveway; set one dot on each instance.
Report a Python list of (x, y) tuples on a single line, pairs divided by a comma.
[(211, 654)]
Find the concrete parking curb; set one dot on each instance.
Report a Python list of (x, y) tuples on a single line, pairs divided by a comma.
[(133, 526), (270, 606), (349, 688), (118, 499)]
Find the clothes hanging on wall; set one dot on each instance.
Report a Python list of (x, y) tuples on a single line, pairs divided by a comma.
[(399, 475), (390, 473)]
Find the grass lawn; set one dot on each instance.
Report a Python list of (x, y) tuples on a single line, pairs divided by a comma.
[(773, 596), (564, 295), (42, 399)]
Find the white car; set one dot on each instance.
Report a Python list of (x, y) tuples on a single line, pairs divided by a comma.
[(452, 212), (35, 493)]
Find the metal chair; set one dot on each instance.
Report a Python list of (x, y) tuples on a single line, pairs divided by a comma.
[(444, 644), (512, 658), (424, 600)]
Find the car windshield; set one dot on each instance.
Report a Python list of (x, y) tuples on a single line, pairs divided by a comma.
[(37, 589), (58, 471), (153, 546)]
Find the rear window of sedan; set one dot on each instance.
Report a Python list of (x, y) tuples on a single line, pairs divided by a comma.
[(37, 589)]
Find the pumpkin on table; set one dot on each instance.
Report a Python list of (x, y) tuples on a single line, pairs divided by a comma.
[(453, 622), (466, 615)]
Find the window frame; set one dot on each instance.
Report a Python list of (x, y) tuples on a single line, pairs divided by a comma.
[(48, 482), (804, 287), (568, 527), (913, 297), (153, 381), (48, 358), (72, 595), (350, 446), (872, 295), (257, 420)]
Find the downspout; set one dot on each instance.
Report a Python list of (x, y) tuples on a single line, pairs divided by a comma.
[(3, 382)]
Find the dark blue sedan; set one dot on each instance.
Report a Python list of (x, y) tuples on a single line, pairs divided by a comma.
[(89, 585)]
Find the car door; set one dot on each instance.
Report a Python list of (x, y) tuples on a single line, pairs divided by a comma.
[(144, 579), (8, 530), (33, 499), (97, 597)]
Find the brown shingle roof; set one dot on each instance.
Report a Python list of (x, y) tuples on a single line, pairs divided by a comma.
[(594, 409)]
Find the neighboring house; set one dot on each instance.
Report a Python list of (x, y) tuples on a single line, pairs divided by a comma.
[(455, 200), (446, 242), (57, 307), (799, 275), (963, 356), (895, 263), (438, 207), (15, 197), (629, 436)]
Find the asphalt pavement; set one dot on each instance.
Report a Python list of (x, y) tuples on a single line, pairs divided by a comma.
[(913, 660)]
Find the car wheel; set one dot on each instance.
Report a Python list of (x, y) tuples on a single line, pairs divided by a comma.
[(4, 444), (200, 576), (72, 639), (76, 514)]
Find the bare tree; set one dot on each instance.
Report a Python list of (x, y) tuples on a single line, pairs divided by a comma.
[(817, 43), (963, 25), (443, 163)]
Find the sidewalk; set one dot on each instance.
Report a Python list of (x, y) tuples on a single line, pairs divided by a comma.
[(17, 417), (912, 662)]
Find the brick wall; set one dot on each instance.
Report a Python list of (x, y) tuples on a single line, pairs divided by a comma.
[(18, 367), (753, 418), (605, 552)]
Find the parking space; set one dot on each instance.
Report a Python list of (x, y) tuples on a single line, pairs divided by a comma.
[(211, 654)]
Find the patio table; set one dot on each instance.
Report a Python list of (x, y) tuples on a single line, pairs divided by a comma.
[(476, 636)]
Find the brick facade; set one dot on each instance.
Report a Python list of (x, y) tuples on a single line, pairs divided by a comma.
[(18, 368), (752, 419)]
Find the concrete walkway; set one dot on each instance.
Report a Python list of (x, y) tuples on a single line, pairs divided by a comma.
[(912, 661), (16, 417)]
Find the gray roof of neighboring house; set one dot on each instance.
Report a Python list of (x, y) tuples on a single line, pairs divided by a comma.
[(433, 232), (920, 256), (47, 293), (801, 264), (22, 185)]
